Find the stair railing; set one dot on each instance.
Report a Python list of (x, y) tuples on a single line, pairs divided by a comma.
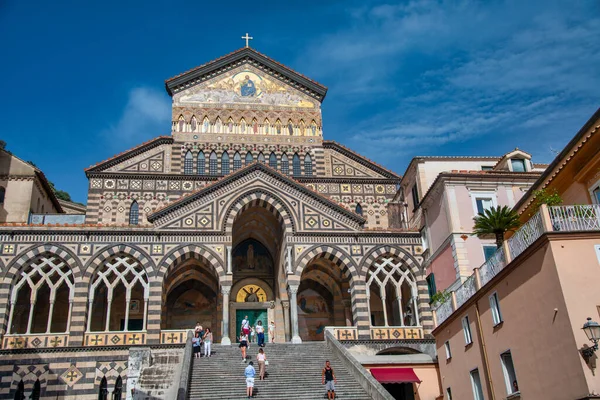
[(186, 369), (362, 376)]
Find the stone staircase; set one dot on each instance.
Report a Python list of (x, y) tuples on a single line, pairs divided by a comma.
[(294, 372)]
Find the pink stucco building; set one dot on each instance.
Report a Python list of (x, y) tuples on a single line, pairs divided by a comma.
[(513, 329)]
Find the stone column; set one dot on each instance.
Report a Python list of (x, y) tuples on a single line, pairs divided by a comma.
[(293, 290), (286, 319), (229, 268), (225, 340), (289, 259), (347, 312)]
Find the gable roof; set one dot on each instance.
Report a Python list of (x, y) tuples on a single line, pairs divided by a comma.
[(256, 166), (225, 63), (330, 144), (127, 154)]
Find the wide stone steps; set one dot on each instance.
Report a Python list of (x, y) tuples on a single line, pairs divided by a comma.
[(294, 372)]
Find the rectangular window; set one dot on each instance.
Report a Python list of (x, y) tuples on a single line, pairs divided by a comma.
[(596, 196), (495, 307), (415, 196), (518, 165), (424, 238), (431, 284), (510, 378), (476, 384), (483, 203), (489, 251), (449, 393), (448, 352), (487, 168), (467, 330)]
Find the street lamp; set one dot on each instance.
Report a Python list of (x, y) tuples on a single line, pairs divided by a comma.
[(592, 331)]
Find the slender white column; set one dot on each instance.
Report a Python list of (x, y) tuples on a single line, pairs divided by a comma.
[(229, 260), (289, 260), (109, 306), (145, 314), (89, 317), (416, 312), (385, 319), (10, 317), (127, 302), (69, 316), (30, 321), (50, 312), (293, 290), (225, 340)]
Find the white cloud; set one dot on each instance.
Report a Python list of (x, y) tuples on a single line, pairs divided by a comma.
[(433, 73), (146, 115)]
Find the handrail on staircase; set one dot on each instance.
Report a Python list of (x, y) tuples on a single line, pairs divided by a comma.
[(362, 376), (186, 369)]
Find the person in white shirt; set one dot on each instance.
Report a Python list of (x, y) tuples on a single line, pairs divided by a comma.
[(272, 331), (260, 333), (261, 357)]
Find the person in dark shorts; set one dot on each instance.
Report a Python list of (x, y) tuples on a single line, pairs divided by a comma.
[(243, 345), (196, 344), (329, 380)]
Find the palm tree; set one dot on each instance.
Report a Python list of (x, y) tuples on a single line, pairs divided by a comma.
[(497, 221)]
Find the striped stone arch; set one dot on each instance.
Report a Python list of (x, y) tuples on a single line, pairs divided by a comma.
[(133, 251), (334, 254), (190, 251), (263, 199), (396, 251), (19, 262)]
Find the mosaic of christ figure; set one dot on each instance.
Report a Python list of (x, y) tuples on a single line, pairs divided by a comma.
[(247, 87)]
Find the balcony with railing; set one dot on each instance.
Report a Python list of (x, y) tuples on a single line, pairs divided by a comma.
[(576, 218)]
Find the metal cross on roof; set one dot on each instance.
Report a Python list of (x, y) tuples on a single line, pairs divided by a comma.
[(248, 38)]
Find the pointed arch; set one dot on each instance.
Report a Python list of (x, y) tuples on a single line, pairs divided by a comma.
[(308, 165), (213, 168), (181, 124), (218, 125), (230, 126), (205, 125), (188, 163), (225, 163), (290, 128), (358, 209), (313, 128), (201, 163), (243, 125), (273, 160), (266, 127), (134, 213), (103, 389), (278, 126), (254, 126), (193, 124), (237, 161), (261, 157), (285, 164), (302, 128), (296, 167), (249, 158), (118, 390)]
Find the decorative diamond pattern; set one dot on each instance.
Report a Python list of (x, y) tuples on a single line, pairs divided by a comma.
[(115, 339), (36, 342), (71, 376)]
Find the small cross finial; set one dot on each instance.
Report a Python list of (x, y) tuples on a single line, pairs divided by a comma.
[(247, 38)]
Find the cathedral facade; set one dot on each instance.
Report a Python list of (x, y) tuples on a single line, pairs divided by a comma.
[(243, 210)]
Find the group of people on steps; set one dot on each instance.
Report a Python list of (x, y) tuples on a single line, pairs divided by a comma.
[(204, 337)]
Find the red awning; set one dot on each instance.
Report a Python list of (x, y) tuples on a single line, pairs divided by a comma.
[(395, 375)]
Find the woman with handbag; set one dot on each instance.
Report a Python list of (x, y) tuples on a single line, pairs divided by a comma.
[(261, 357)]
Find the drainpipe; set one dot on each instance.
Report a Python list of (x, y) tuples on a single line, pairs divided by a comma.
[(486, 365)]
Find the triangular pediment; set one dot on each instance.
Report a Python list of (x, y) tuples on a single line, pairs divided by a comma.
[(271, 68), (346, 163), (149, 157), (210, 209)]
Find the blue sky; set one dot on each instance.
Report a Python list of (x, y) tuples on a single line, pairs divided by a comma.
[(82, 83)]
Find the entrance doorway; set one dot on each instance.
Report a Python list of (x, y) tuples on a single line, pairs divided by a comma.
[(254, 315), (400, 391)]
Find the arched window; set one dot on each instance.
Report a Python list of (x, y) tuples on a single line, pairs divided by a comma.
[(20, 393), (218, 125), (225, 163), (261, 157), (243, 126), (201, 160), (273, 160), (392, 293), (296, 165), (266, 126), (230, 125), (120, 285), (358, 209), (103, 390), (255, 126), (37, 390), (134, 213), (249, 158), (118, 389), (44, 291), (313, 128), (307, 165), (188, 163), (285, 164), (290, 127), (194, 124), (302, 128), (213, 168), (237, 161), (278, 127), (181, 124), (205, 125), (2, 194)]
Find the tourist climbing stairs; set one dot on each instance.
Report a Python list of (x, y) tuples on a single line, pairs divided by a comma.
[(294, 372)]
